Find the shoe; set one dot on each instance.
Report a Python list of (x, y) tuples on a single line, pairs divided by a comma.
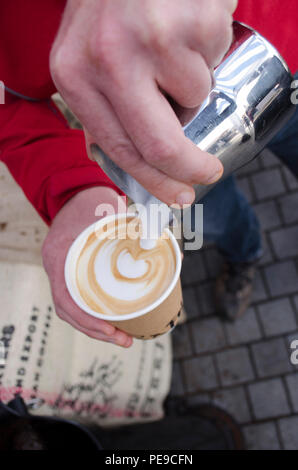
[(233, 289)]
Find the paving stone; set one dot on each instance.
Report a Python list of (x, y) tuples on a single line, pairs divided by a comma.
[(244, 186), (282, 278), (289, 432), (181, 342), (291, 180), (234, 401), (289, 206), (268, 399), (261, 437), (244, 330), (193, 269), (292, 344), (177, 388), (268, 215), (285, 242), (190, 303), (208, 335), (259, 291), (213, 262), (292, 337), (277, 317), (205, 296), (251, 167), (296, 302), (268, 159), (234, 366), (292, 383), (271, 358), (268, 183), (198, 399), (200, 374), (267, 257)]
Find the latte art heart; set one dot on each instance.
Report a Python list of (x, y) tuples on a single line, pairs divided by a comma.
[(115, 276)]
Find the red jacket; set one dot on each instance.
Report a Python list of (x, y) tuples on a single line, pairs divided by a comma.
[(46, 158)]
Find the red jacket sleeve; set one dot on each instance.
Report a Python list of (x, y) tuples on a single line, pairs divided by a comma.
[(45, 157), (276, 21)]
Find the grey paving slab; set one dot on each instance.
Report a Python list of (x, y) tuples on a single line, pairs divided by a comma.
[(268, 183), (244, 186), (259, 290), (267, 257), (198, 399), (268, 399), (271, 358), (251, 167), (289, 207), (190, 303), (193, 269), (177, 388), (181, 342), (244, 330), (234, 401), (292, 337), (285, 242), (289, 432), (205, 296), (261, 437), (200, 374), (277, 317), (208, 335), (282, 278), (292, 384), (291, 180), (268, 159), (213, 262), (234, 366), (267, 214)]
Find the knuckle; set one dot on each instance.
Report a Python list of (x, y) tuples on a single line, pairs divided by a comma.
[(105, 49), (122, 152), (161, 153), (160, 41), (213, 25), (62, 66), (159, 37), (158, 184)]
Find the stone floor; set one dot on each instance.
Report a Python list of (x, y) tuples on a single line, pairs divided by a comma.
[(245, 367)]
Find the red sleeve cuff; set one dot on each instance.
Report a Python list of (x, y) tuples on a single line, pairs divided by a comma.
[(46, 158), (64, 185)]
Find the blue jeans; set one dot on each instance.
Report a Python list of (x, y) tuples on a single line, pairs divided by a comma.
[(229, 220)]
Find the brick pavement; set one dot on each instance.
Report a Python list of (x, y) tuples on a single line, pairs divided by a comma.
[(245, 367)]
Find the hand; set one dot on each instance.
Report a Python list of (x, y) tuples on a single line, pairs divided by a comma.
[(72, 219), (115, 61)]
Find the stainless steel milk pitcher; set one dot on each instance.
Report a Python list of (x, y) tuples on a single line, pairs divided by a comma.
[(249, 104)]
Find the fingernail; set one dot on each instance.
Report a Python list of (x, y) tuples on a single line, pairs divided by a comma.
[(185, 199), (128, 343), (215, 177)]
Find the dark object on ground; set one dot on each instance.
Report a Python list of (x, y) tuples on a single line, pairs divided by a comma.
[(21, 431), (204, 427), (233, 290)]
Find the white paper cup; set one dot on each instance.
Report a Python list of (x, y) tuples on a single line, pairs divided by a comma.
[(158, 318)]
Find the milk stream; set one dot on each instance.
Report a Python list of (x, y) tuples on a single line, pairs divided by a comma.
[(154, 220)]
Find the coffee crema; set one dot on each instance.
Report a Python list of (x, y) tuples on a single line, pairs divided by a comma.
[(115, 276)]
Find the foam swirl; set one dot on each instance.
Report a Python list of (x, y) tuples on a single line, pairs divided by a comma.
[(115, 276)]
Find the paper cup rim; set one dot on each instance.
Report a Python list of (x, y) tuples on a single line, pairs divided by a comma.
[(129, 316)]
